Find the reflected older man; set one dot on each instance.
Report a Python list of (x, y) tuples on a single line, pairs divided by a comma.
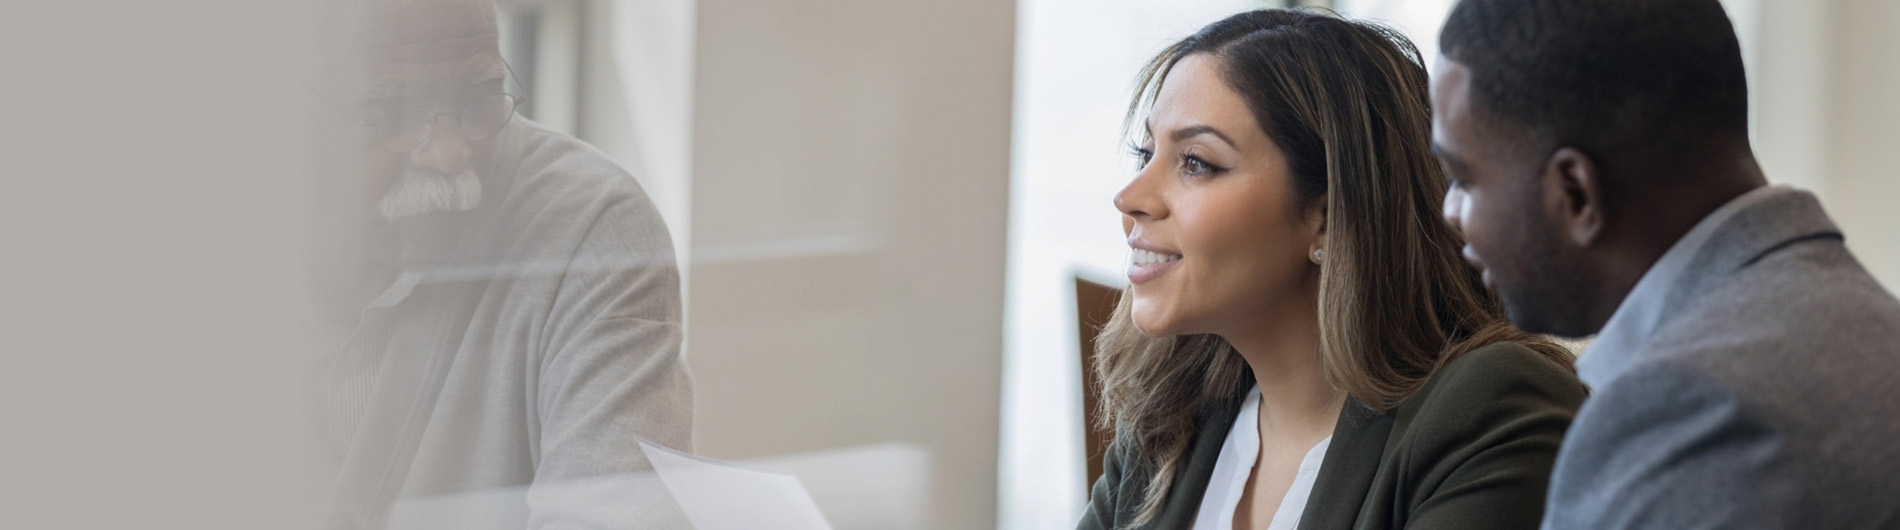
[(504, 298)]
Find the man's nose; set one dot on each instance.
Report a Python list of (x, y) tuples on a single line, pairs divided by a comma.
[(446, 151), (1455, 208)]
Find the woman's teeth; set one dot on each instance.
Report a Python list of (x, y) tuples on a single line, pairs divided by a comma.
[(1143, 258)]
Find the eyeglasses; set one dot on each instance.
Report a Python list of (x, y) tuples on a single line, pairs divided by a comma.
[(404, 129)]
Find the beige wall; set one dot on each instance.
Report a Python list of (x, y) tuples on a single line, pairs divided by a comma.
[(1826, 80), (150, 288), (849, 197), (1863, 141)]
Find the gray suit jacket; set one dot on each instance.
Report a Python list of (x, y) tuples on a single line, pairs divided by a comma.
[(1767, 396)]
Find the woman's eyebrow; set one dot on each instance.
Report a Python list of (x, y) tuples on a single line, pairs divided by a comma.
[(1197, 130)]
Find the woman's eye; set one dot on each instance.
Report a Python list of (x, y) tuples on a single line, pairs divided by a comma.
[(1193, 165), (1142, 155)]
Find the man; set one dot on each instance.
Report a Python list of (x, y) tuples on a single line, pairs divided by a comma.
[(1745, 365), (505, 296)]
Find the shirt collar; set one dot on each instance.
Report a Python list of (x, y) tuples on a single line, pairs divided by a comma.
[(1636, 318)]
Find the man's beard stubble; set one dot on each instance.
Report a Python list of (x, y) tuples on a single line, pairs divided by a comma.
[(1547, 290)]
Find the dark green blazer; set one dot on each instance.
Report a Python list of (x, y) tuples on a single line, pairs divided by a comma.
[(1470, 450)]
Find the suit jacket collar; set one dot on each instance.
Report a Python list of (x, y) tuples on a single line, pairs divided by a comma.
[(1738, 233), (1783, 217)]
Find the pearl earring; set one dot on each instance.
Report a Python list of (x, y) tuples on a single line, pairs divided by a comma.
[(1319, 255)]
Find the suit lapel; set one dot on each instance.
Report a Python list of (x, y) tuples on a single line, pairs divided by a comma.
[(1357, 449)]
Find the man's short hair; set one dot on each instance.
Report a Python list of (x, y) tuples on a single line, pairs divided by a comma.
[(1633, 82)]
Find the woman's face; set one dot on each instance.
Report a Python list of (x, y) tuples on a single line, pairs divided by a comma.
[(1218, 242)]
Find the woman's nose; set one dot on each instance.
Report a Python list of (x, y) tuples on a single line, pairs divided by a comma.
[(1140, 198)]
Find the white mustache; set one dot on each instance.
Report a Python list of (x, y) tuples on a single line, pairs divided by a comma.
[(424, 192)]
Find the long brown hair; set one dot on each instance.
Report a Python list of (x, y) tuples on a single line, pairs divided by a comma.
[(1348, 102)]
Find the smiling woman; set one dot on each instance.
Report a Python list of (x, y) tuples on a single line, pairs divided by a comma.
[(1298, 314)]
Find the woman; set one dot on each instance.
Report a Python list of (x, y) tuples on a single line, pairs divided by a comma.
[(1301, 344)]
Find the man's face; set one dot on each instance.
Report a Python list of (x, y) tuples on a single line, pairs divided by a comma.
[(431, 100), (1503, 200), (430, 60), (421, 116)]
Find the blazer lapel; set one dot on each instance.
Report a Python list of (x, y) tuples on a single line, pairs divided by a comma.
[(1197, 468), (1347, 471)]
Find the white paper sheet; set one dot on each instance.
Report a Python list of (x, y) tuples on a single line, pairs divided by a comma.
[(719, 495)]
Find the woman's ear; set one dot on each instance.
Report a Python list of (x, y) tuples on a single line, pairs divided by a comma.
[(1315, 216)]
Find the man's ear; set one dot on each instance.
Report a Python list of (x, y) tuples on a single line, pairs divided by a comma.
[(1574, 196)]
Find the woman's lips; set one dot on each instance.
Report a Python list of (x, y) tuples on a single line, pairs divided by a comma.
[(1144, 265)]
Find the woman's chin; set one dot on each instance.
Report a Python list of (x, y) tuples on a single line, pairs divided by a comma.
[(1153, 326)]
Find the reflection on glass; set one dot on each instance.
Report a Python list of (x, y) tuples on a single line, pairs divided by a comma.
[(499, 302)]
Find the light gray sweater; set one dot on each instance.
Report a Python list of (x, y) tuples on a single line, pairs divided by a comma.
[(537, 343)]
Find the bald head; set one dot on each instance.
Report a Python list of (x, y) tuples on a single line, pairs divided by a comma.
[(350, 31), (429, 30)]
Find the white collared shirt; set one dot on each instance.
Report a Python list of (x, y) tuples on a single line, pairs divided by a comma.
[(1630, 327), (1235, 466)]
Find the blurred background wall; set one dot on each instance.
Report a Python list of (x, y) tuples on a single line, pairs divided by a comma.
[(149, 289), (1826, 88), (849, 198)]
